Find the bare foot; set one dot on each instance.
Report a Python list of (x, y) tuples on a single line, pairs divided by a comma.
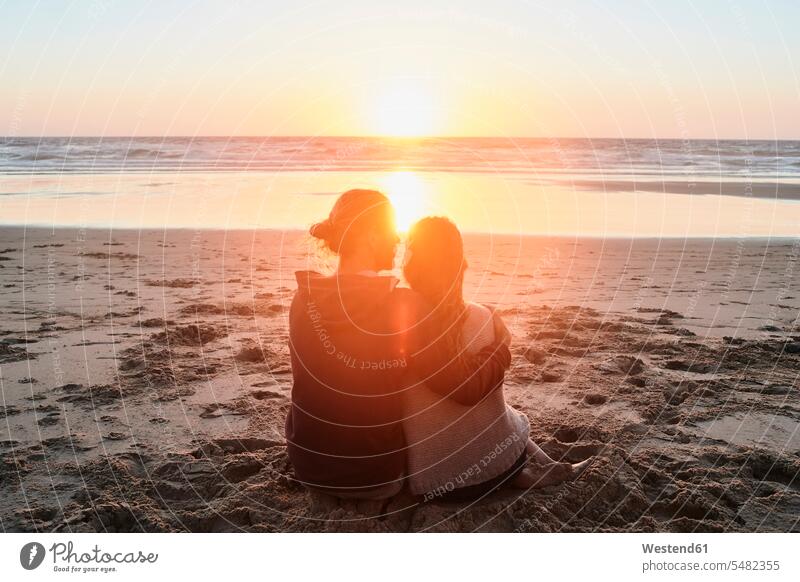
[(579, 468), (537, 476)]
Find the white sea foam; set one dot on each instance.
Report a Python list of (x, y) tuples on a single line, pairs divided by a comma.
[(664, 159)]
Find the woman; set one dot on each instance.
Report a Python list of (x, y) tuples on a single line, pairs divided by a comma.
[(456, 450), (356, 342)]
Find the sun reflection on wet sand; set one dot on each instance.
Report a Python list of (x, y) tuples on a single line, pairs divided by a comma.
[(410, 196), (498, 204)]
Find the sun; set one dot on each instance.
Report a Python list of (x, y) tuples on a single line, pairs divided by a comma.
[(406, 110), (409, 196)]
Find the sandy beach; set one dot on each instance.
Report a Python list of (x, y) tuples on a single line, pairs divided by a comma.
[(145, 381)]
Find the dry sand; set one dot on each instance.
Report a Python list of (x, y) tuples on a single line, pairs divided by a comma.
[(145, 380)]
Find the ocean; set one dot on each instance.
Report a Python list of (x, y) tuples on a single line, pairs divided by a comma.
[(547, 186)]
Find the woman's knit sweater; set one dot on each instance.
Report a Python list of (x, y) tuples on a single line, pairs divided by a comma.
[(451, 445)]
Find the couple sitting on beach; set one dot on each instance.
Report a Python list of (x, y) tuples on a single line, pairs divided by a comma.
[(396, 385)]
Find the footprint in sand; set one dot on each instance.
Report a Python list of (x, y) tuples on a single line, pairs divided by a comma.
[(550, 376), (535, 356), (571, 452), (50, 419), (628, 365), (595, 399), (9, 410), (694, 367), (241, 468), (775, 470), (266, 395), (36, 397), (211, 411), (566, 435), (677, 394)]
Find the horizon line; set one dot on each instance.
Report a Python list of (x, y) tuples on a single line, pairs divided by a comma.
[(399, 137)]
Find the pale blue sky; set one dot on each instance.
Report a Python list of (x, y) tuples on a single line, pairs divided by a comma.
[(617, 69)]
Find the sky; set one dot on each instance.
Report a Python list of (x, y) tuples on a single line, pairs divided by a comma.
[(632, 69)]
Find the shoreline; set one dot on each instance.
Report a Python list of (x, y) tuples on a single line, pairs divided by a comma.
[(303, 231)]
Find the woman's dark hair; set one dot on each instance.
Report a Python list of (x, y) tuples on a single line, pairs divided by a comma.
[(355, 213), (434, 268)]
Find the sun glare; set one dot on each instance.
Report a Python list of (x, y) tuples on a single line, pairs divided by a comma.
[(405, 111), (408, 195)]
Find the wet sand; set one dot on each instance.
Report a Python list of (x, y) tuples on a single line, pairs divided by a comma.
[(145, 381)]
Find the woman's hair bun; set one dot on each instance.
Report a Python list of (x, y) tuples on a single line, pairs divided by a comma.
[(354, 213), (321, 230), (326, 233)]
